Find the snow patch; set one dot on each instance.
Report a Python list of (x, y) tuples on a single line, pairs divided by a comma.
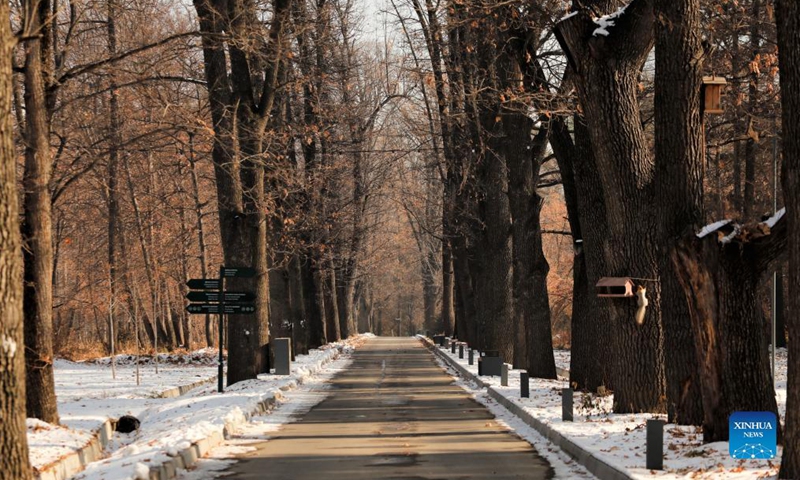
[(712, 228), (569, 15), (142, 472), (770, 222), (607, 21), (9, 346), (728, 238)]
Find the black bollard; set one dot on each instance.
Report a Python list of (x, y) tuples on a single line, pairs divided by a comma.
[(453, 346), (471, 356), (461, 351), (524, 385), (655, 444), (566, 404)]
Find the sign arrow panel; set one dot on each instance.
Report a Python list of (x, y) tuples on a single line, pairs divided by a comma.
[(240, 272), (244, 309), (203, 284), (234, 297)]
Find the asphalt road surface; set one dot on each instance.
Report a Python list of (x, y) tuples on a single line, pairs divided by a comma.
[(394, 414)]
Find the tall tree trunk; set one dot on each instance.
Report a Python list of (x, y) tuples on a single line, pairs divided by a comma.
[(591, 338), (788, 18), (721, 282), (680, 157), (494, 285), (14, 462), (298, 303), (279, 297), (37, 232), (448, 318), (531, 302), (331, 303), (114, 228), (314, 290), (751, 147), (607, 70)]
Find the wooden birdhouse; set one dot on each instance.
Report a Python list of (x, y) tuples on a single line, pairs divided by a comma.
[(610, 287), (712, 94)]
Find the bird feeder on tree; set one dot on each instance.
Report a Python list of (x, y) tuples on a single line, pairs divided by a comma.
[(615, 287), (712, 94)]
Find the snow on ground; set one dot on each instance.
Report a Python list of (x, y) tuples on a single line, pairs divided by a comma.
[(620, 439), (289, 407), (47, 443), (170, 425), (87, 396), (562, 358)]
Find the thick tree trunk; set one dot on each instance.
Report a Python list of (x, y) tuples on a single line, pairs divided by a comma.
[(531, 301), (607, 72), (314, 291), (37, 232), (448, 318), (751, 147), (721, 283), (680, 156), (788, 18), (298, 302), (240, 192), (14, 463), (280, 310), (591, 337), (494, 285)]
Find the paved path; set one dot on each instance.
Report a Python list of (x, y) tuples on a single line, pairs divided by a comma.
[(394, 414)]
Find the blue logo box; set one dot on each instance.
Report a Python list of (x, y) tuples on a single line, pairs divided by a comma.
[(753, 435)]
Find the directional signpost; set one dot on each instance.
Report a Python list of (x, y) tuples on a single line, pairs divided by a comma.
[(233, 297), (214, 308), (211, 298)]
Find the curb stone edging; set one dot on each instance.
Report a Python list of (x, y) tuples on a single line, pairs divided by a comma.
[(596, 466), (76, 461), (183, 389)]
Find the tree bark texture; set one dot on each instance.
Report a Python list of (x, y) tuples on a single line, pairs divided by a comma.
[(721, 280), (239, 164), (607, 72), (37, 234), (14, 463), (591, 317), (788, 19), (680, 156)]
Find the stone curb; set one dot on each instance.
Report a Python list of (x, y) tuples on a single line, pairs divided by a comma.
[(183, 389), (76, 461), (593, 464), (188, 457)]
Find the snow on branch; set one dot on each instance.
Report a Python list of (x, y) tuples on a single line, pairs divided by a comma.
[(712, 228), (770, 222), (727, 230), (607, 21)]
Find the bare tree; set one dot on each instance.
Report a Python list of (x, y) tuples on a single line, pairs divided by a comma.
[(13, 442)]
